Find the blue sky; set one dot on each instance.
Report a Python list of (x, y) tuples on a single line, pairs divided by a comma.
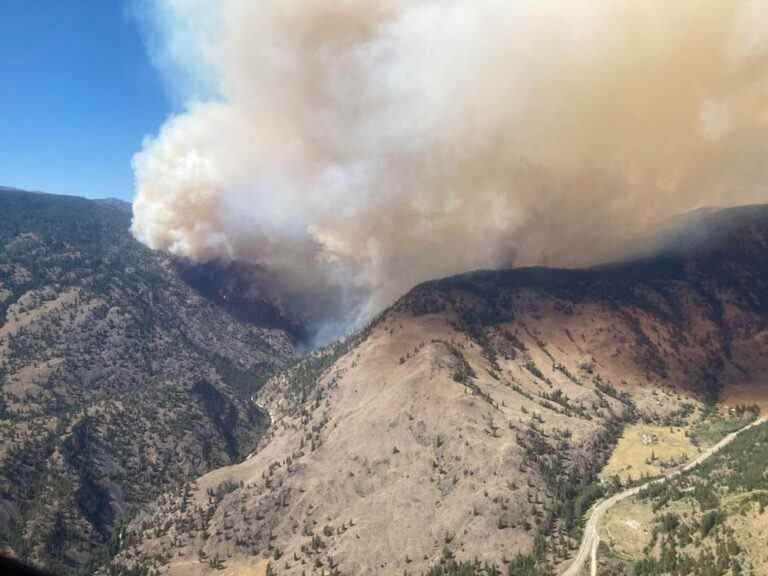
[(77, 96)]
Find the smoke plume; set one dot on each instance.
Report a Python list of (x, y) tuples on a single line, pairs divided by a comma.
[(354, 148)]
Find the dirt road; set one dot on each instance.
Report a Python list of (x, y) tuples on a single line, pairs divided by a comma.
[(591, 540)]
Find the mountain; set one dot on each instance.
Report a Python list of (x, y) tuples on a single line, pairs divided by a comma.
[(120, 380), (474, 418)]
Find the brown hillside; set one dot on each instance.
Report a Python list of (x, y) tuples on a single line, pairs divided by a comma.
[(475, 414)]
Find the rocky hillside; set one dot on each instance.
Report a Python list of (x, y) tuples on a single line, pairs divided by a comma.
[(119, 381), (471, 419)]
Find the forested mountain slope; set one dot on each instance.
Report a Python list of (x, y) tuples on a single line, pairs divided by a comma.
[(118, 380)]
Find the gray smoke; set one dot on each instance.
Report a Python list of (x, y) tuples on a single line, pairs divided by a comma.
[(354, 148)]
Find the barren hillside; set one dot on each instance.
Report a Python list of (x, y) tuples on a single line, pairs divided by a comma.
[(471, 419)]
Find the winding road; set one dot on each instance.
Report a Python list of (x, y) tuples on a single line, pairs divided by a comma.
[(591, 539)]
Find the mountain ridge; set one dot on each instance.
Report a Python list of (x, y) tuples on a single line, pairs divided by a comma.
[(472, 418)]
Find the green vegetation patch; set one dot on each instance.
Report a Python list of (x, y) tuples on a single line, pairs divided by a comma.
[(702, 540), (713, 427)]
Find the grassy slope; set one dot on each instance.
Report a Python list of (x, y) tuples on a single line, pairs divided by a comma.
[(710, 521)]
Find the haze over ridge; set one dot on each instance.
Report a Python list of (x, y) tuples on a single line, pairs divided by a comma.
[(357, 148)]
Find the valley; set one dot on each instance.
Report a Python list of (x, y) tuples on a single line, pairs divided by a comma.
[(468, 428), (588, 551), (384, 287), (706, 519), (473, 419)]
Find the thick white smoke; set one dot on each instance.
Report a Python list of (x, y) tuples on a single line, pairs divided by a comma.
[(362, 146)]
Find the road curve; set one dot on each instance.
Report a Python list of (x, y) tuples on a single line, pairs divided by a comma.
[(591, 540)]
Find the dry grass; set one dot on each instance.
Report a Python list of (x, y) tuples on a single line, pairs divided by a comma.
[(235, 567), (751, 531), (747, 394), (627, 528), (374, 456), (358, 476), (631, 457), (33, 306), (30, 379)]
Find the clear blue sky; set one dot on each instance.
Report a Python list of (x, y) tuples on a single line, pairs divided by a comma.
[(77, 95)]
